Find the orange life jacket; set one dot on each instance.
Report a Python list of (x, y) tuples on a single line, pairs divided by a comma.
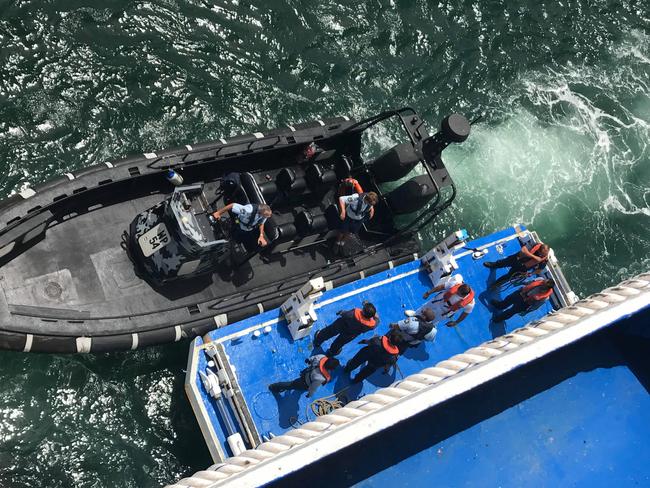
[(535, 297), (324, 372), (349, 182), (530, 263), (358, 315), (388, 347), (463, 302)]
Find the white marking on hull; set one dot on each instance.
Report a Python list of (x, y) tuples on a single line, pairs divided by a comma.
[(188, 147), (109, 165), (179, 333), (345, 117), (321, 122), (292, 128), (260, 307), (70, 176), (27, 193), (222, 140), (134, 341), (221, 320), (150, 155), (258, 135), (84, 344), (29, 338)]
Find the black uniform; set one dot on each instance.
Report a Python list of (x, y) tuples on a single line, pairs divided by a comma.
[(517, 264), (346, 327), (374, 355)]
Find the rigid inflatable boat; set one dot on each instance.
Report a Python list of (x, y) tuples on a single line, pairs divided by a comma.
[(119, 255)]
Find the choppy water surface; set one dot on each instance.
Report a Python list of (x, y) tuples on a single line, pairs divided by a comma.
[(565, 87)]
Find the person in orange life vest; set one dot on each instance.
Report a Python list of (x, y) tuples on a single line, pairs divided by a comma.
[(349, 325), (449, 298), (533, 259), (523, 299), (379, 352), (316, 374), (348, 187)]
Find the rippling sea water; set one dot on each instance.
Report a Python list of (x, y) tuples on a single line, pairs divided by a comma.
[(563, 147)]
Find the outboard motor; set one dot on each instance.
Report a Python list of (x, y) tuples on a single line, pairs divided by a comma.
[(412, 195), (454, 128), (395, 163)]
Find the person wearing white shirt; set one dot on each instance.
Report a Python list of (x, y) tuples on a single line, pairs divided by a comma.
[(415, 328), (450, 297), (250, 219), (355, 209)]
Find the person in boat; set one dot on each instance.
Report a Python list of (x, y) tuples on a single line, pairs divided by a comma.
[(316, 374), (379, 352), (250, 219), (450, 297), (415, 328), (527, 260), (349, 186), (355, 209), (528, 297), (348, 325)]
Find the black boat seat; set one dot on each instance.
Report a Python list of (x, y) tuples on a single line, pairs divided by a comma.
[(291, 181), (310, 222), (252, 189), (271, 230), (285, 240), (318, 176), (268, 189), (325, 157), (332, 216), (395, 163), (411, 195)]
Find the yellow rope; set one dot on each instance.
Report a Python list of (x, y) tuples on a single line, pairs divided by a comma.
[(325, 406)]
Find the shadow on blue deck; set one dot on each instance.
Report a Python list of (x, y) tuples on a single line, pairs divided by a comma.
[(275, 357)]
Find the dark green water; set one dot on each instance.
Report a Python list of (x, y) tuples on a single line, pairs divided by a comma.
[(563, 147)]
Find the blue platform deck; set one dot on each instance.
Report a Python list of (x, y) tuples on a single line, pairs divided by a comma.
[(274, 356), (577, 417)]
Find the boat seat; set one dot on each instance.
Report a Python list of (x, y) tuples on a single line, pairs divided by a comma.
[(395, 163), (291, 181), (332, 216), (310, 222), (411, 196), (252, 189), (285, 240), (268, 189), (271, 229), (318, 176), (325, 157)]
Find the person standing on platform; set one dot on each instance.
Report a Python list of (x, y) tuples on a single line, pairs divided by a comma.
[(524, 261), (415, 328), (347, 327), (528, 297), (379, 352), (449, 298), (316, 374)]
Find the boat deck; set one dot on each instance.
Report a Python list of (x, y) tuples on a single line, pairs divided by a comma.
[(258, 360)]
